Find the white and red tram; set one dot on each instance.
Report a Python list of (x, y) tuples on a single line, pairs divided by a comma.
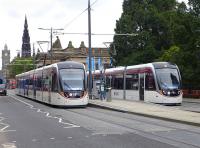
[(158, 82), (60, 84)]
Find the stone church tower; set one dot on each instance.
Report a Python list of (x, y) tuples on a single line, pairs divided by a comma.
[(5, 57), (26, 47)]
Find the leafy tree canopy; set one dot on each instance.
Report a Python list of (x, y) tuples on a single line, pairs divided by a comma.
[(164, 30), (20, 65)]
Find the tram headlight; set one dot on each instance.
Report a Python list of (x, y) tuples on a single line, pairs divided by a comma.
[(164, 92), (179, 92)]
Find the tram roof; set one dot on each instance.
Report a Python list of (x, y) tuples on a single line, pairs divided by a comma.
[(120, 69), (60, 65), (139, 66), (69, 64), (154, 65)]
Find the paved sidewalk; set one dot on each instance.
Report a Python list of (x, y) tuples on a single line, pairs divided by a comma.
[(150, 110), (197, 100)]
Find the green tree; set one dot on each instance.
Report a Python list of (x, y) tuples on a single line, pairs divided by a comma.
[(171, 54), (146, 19), (20, 65), (194, 7), (166, 30)]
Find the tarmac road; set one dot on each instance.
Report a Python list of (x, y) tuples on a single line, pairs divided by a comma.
[(28, 124)]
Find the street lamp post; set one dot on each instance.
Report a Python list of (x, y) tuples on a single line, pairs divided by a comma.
[(90, 51), (51, 36)]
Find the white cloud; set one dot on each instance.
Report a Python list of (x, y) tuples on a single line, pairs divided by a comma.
[(56, 14)]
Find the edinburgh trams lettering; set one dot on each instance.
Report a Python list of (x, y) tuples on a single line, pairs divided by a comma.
[(60, 84), (158, 82)]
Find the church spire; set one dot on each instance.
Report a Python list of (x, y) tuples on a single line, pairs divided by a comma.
[(26, 48), (5, 47)]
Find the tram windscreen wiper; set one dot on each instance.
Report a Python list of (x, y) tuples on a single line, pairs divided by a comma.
[(66, 86)]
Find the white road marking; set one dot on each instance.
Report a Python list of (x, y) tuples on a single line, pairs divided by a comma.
[(69, 137), (93, 134), (9, 145), (47, 114), (6, 126), (34, 140), (52, 138)]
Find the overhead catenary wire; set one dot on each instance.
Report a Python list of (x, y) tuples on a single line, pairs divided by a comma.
[(42, 42), (76, 17), (104, 34)]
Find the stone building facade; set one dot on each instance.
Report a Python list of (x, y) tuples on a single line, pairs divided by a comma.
[(100, 56)]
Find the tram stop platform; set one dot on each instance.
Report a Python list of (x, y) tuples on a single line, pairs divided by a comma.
[(149, 110)]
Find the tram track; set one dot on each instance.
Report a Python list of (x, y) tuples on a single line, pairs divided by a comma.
[(153, 123), (142, 132), (150, 135), (189, 106)]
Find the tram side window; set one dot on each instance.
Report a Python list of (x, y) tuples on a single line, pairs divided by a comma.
[(54, 82), (149, 82), (39, 82), (117, 82), (108, 81), (132, 82), (31, 82), (23, 83), (26, 82), (45, 81)]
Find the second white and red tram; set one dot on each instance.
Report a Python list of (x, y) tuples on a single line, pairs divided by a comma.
[(60, 84), (158, 82)]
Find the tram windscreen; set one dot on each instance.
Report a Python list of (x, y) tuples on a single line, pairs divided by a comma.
[(72, 79), (1, 81), (168, 78), (2, 86)]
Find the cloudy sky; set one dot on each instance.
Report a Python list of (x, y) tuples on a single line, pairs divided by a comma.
[(56, 14)]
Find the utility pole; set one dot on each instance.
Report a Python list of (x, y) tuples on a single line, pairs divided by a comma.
[(51, 42), (90, 51), (34, 64), (51, 38)]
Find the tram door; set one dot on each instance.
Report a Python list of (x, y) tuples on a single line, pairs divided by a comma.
[(34, 86), (141, 86), (49, 88)]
